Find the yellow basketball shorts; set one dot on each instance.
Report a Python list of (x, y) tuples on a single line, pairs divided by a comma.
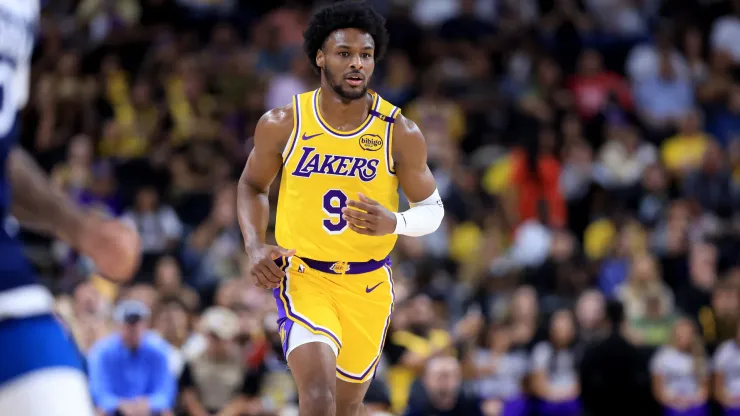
[(350, 303)]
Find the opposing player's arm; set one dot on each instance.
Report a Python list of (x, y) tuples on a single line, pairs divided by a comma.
[(426, 212), (253, 205), (39, 205)]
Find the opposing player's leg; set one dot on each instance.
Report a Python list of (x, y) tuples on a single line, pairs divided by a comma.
[(41, 370), (312, 359), (350, 397)]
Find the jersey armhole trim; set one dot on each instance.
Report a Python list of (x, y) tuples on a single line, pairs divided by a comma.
[(290, 145), (389, 141)]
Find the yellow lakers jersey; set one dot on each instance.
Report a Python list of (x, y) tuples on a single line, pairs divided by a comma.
[(323, 168)]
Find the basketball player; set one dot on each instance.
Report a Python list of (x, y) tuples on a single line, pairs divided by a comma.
[(344, 151), (40, 369)]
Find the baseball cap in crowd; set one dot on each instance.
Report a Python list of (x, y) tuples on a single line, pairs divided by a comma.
[(131, 311), (221, 322)]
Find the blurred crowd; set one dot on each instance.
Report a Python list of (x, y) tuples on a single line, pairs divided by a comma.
[(587, 151)]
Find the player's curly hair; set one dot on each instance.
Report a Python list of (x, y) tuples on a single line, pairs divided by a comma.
[(342, 15)]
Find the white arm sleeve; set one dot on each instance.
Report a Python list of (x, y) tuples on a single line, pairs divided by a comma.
[(422, 218)]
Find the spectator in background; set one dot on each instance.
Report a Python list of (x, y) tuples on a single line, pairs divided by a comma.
[(725, 124), (129, 372), (684, 152), (523, 317), (710, 184), (615, 267), (536, 179), (592, 86), (653, 200), (410, 348), (172, 322), (726, 370), (590, 313), (716, 87), (693, 47), (168, 281), (644, 281), (212, 249), (680, 375), (645, 61), (554, 377), (612, 373), (662, 100), (719, 321), (158, 225), (75, 175), (216, 382), (438, 115), (725, 31), (545, 98), (498, 374), (439, 391), (695, 293), (625, 155)]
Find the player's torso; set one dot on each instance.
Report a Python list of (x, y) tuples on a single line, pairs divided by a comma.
[(18, 21), (323, 168)]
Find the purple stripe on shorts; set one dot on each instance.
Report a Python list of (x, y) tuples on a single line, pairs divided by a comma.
[(735, 411), (284, 310), (570, 408), (517, 406), (701, 410)]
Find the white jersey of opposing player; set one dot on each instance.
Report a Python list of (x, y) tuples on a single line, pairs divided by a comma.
[(18, 22)]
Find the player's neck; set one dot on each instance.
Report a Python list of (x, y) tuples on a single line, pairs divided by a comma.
[(340, 113)]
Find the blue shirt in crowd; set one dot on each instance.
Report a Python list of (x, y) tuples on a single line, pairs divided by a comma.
[(120, 373), (664, 98)]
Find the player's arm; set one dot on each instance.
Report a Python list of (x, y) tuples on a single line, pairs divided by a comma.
[(253, 205), (39, 205), (416, 180)]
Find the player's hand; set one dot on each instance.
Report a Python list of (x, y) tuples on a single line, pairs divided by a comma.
[(114, 247), (262, 268), (368, 217)]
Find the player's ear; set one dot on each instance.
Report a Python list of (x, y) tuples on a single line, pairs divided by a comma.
[(320, 58)]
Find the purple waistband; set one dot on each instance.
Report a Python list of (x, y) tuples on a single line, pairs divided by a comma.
[(343, 267)]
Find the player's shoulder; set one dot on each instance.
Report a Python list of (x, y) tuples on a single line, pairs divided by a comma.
[(278, 117), (406, 131), (274, 127)]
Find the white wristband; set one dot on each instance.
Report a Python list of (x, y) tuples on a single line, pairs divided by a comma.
[(422, 218)]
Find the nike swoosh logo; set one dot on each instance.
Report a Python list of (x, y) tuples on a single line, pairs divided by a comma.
[(311, 136), (370, 289)]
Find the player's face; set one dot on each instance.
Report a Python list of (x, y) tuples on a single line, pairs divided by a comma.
[(347, 61)]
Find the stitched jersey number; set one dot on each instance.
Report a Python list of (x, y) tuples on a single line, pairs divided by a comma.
[(334, 201)]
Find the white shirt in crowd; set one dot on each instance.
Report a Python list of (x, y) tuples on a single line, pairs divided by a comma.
[(677, 370), (156, 229), (724, 36), (506, 382), (727, 363), (643, 63), (559, 365)]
